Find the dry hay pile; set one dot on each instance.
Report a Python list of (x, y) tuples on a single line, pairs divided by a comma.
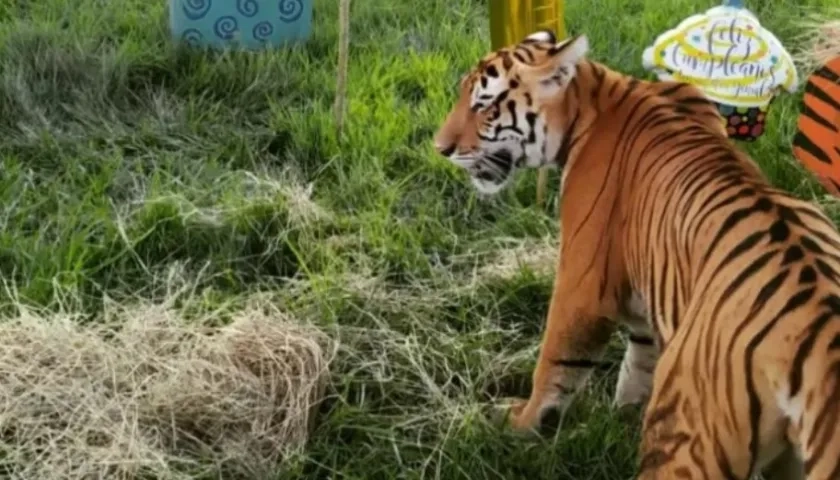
[(146, 394), (820, 42)]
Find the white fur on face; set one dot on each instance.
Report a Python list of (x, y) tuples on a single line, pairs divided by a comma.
[(489, 188), (524, 154), (482, 97), (542, 147), (507, 140)]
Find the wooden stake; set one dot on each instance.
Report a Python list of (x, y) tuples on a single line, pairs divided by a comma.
[(341, 79), (510, 22), (548, 15)]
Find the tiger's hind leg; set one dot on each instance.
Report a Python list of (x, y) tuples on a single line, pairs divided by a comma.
[(667, 435), (819, 433), (683, 431)]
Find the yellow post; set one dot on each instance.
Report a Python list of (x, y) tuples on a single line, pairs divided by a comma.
[(513, 20)]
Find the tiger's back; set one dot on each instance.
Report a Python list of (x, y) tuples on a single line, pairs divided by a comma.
[(741, 280), (673, 231)]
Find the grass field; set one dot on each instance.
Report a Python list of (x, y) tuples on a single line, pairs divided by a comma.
[(129, 167)]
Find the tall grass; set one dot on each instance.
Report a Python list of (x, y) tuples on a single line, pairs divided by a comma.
[(124, 159)]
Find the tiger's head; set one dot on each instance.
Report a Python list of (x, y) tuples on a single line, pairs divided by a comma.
[(500, 121)]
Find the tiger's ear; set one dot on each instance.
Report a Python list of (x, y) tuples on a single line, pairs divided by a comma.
[(541, 36), (554, 74)]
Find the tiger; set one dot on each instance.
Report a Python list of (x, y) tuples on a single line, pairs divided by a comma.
[(729, 287), (816, 143)]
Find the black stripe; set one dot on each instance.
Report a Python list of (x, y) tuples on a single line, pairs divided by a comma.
[(581, 363), (793, 253), (511, 106), (742, 247), (507, 63), (807, 275), (817, 92), (703, 101), (746, 192), (675, 297), (805, 143), (779, 231), (673, 89), (796, 301), (656, 141), (631, 85), (560, 48), (808, 212), (752, 269), (764, 295), (827, 271), (686, 147), (663, 452), (789, 215), (526, 51), (811, 245), (732, 175), (723, 461), (805, 347), (825, 238), (762, 204), (641, 340), (531, 118), (611, 91), (827, 426), (605, 274), (701, 178), (662, 274), (562, 155), (652, 290), (828, 74), (810, 113)]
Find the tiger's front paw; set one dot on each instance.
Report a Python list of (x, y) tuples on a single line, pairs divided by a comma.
[(512, 413)]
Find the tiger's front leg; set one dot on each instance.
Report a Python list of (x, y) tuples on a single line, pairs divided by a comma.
[(577, 332), (635, 378)]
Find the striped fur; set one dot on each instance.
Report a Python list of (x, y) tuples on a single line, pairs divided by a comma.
[(817, 141), (674, 232)]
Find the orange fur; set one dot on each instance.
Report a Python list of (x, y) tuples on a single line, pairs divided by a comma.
[(673, 232)]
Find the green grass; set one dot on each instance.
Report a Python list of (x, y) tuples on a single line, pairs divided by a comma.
[(126, 162)]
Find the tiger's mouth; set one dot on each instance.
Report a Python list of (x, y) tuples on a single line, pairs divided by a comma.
[(493, 166), (493, 172)]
